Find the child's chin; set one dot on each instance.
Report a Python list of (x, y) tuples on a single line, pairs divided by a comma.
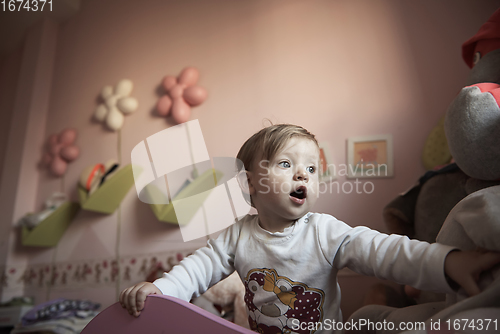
[(298, 214)]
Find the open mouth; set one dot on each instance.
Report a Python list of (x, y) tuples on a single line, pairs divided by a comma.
[(299, 195)]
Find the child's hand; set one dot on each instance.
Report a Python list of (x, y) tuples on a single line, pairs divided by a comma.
[(133, 298), (464, 267)]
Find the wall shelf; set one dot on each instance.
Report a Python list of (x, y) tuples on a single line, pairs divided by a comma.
[(52, 228), (108, 197), (202, 184)]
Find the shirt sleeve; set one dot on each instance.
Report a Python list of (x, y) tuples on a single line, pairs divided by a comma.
[(392, 257), (198, 272)]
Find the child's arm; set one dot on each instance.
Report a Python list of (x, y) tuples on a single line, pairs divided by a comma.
[(464, 267), (133, 298), (192, 277), (415, 263)]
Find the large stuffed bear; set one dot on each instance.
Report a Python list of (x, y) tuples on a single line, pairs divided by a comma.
[(472, 127)]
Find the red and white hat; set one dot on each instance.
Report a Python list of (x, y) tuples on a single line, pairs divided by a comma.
[(487, 39)]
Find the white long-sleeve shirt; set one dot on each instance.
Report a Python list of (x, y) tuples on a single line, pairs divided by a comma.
[(293, 274)]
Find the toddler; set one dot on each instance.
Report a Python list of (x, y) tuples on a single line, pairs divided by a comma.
[(288, 257)]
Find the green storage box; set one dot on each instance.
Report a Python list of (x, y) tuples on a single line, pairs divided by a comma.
[(166, 213), (108, 197), (52, 228)]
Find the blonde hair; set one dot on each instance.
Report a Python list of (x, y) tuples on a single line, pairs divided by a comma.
[(266, 143)]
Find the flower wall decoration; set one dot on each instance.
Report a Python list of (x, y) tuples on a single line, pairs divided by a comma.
[(60, 150), (116, 104), (181, 94)]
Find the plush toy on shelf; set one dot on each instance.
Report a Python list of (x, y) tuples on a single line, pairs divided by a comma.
[(467, 194), (32, 220)]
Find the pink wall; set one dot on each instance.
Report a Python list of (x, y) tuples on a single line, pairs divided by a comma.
[(9, 73), (338, 68)]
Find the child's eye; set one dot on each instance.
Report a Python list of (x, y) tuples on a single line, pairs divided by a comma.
[(311, 169), (284, 164)]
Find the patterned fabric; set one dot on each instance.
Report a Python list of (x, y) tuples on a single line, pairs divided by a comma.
[(59, 309)]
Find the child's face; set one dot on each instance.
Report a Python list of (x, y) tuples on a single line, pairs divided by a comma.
[(286, 188)]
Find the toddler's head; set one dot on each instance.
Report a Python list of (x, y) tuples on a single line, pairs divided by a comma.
[(263, 146)]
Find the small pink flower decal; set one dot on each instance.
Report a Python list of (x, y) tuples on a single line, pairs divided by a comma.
[(182, 94), (61, 150)]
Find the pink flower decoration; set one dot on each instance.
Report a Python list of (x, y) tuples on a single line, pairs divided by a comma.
[(60, 151), (182, 94)]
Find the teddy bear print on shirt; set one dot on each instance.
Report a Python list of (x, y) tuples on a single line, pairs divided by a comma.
[(274, 302)]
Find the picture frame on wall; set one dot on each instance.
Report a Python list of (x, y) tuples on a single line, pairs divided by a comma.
[(370, 157), (327, 171)]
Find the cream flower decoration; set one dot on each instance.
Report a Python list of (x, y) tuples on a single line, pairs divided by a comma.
[(116, 104)]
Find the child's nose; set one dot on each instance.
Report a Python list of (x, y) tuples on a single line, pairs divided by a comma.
[(301, 175)]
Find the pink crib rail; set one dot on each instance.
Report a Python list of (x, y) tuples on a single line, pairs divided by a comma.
[(161, 315)]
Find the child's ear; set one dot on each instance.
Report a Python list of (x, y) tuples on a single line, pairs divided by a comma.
[(245, 181)]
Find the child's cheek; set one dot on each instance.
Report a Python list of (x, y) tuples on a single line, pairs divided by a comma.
[(314, 188), (277, 171)]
